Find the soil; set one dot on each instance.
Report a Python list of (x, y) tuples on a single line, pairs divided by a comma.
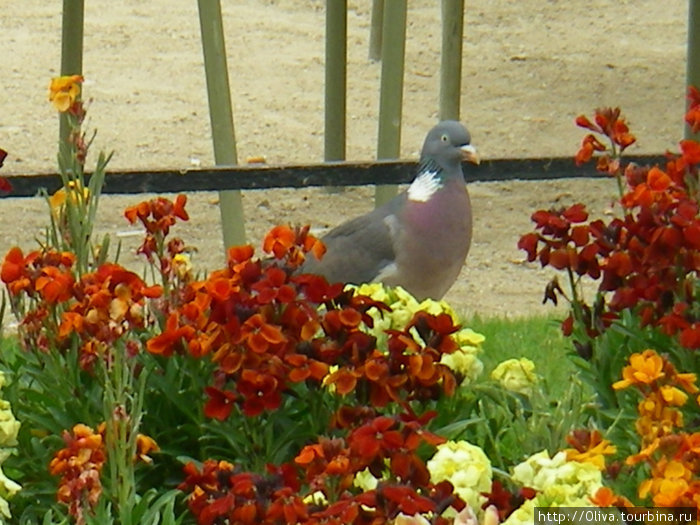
[(529, 68)]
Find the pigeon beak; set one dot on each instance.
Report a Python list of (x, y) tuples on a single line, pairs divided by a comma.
[(470, 154)]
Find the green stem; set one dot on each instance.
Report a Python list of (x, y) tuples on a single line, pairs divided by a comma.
[(122, 411)]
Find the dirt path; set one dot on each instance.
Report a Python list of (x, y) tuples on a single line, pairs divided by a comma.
[(530, 67)]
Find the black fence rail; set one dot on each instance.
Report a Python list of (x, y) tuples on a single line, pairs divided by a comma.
[(256, 177)]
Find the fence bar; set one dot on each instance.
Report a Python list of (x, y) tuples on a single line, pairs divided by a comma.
[(339, 173), (336, 79), (451, 59), (375, 30), (693, 59), (221, 116), (71, 48), (391, 95)]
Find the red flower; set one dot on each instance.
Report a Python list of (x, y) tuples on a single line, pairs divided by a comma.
[(260, 392), (609, 123), (4, 183), (376, 438), (220, 403), (692, 117)]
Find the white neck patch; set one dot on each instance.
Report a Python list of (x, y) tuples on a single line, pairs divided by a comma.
[(424, 186)]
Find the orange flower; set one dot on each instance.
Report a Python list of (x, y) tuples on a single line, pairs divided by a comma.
[(644, 369), (144, 446), (279, 240), (604, 497), (54, 285), (291, 244), (589, 145), (64, 91), (589, 447), (13, 271), (260, 335), (79, 464), (668, 485)]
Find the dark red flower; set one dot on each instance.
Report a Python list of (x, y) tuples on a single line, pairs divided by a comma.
[(220, 403)]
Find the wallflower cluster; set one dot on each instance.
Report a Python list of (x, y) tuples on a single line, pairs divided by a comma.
[(403, 306), (268, 327), (646, 260), (671, 453), (319, 486), (558, 482)]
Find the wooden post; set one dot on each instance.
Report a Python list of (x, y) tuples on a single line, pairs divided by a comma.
[(375, 30), (451, 59), (391, 96), (221, 116), (71, 48), (336, 81), (693, 60)]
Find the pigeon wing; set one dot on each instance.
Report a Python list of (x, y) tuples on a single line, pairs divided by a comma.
[(359, 250)]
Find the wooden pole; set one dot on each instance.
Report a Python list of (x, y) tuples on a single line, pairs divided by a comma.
[(391, 95), (375, 30), (336, 81), (451, 59), (693, 59), (221, 116), (71, 48)]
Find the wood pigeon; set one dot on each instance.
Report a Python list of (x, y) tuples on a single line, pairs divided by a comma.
[(418, 240)]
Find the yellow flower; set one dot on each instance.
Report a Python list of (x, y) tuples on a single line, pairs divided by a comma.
[(644, 369), (438, 307), (416, 519), (316, 498), (516, 375), (63, 91), (9, 426), (328, 383), (467, 336), (182, 265), (687, 382), (465, 363), (58, 199), (464, 465), (673, 396), (365, 480)]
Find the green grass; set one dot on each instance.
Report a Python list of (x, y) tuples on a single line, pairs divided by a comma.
[(536, 338)]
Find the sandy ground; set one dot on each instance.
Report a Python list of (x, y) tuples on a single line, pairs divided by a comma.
[(529, 68)]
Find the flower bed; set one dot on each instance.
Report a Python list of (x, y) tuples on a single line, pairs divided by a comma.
[(257, 394)]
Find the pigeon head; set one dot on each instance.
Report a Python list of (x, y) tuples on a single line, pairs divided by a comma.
[(447, 145)]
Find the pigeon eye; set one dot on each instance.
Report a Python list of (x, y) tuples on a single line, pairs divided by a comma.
[(444, 138)]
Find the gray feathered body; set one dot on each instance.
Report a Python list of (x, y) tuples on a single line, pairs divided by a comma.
[(420, 246), (420, 239)]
